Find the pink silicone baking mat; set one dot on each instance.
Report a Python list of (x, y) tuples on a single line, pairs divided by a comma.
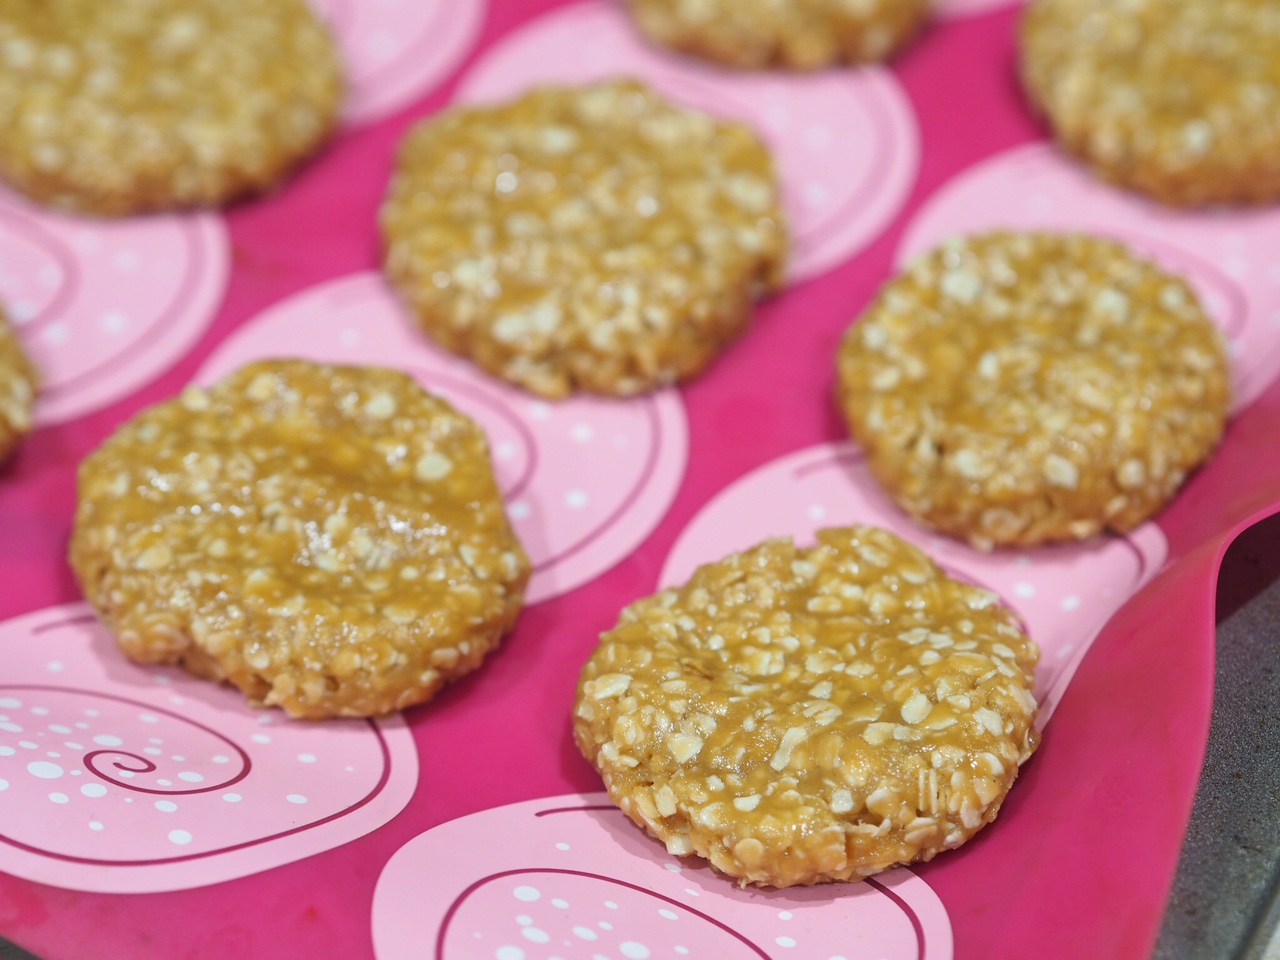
[(144, 814)]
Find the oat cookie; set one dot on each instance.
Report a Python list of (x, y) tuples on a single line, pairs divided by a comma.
[(1014, 389), (17, 390), (797, 34), (802, 715), (134, 105), (1175, 98), (594, 238), (330, 540)]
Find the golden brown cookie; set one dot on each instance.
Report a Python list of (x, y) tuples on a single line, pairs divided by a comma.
[(594, 238), (797, 34), (330, 540), (1175, 98), (18, 383), (1014, 389), (802, 715), (133, 105)]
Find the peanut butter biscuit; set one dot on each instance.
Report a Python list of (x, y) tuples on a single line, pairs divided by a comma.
[(1014, 389), (803, 715), (797, 34), (17, 390), (594, 238), (135, 105), (330, 540), (1178, 99)]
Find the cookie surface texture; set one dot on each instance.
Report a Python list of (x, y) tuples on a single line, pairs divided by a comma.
[(18, 384), (803, 715), (1017, 389), (1177, 99), (330, 540), (138, 105), (594, 238), (795, 34)]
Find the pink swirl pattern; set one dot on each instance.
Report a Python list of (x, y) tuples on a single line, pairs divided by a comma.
[(113, 764), (104, 306), (119, 778), (572, 877)]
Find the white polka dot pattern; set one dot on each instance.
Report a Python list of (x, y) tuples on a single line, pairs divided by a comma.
[(127, 779), (572, 878)]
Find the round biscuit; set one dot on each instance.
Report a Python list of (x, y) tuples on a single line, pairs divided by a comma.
[(795, 34), (137, 105), (1016, 389), (18, 384), (330, 540), (802, 715), (1177, 99), (594, 238)]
